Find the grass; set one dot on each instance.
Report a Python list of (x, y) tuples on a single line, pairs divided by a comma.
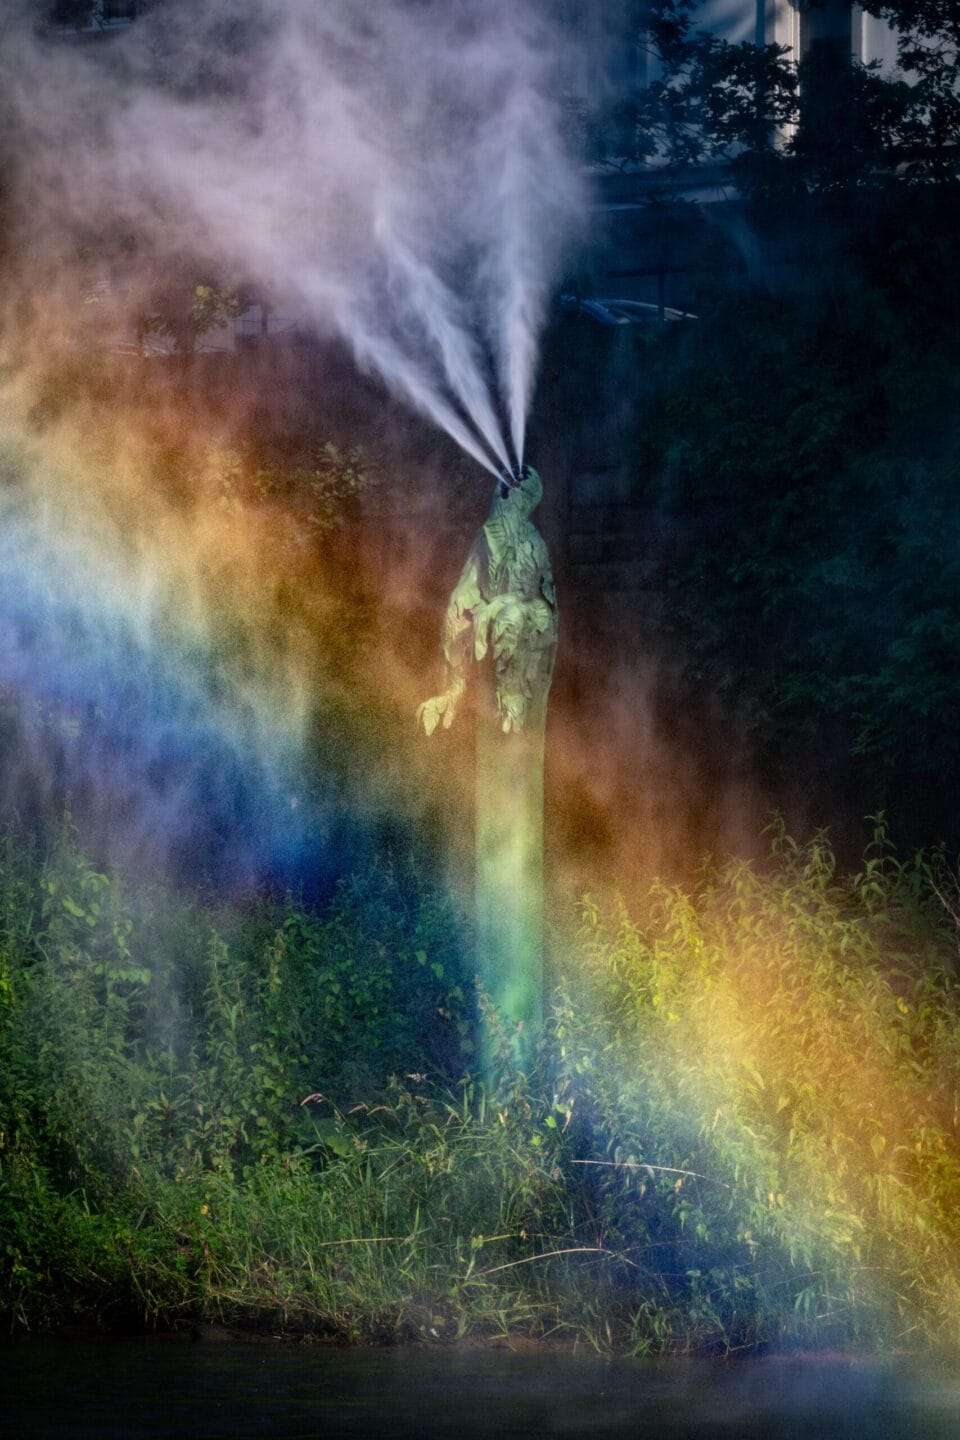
[(740, 1130)]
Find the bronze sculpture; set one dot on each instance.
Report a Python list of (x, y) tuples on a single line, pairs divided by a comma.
[(504, 604), (504, 598)]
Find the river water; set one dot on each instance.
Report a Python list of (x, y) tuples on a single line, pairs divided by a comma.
[(203, 1390)]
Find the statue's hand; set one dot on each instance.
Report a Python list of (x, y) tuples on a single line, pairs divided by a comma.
[(438, 707)]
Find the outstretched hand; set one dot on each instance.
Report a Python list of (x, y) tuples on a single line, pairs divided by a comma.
[(438, 707)]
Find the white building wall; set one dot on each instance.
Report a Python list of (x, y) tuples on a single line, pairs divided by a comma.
[(874, 40), (731, 20), (779, 22), (781, 25), (767, 22)]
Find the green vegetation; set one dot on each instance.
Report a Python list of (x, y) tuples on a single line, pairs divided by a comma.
[(787, 124), (740, 1130), (797, 448)]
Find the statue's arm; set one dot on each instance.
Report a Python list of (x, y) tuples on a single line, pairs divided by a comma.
[(465, 600), (455, 646)]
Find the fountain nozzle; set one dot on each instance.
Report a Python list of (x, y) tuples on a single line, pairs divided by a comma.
[(513, 478)]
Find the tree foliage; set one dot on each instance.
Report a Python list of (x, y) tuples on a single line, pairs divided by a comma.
[(800, 438), (817, 124), (804, 444), (183, 312), (738, 1131)]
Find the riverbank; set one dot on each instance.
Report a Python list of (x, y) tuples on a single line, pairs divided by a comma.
[(738, 1133)]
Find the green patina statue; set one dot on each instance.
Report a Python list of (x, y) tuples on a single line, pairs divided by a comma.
[(504, 605), (504, 598)]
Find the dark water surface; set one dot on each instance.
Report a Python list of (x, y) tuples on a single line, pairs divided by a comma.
[(133, 1389)]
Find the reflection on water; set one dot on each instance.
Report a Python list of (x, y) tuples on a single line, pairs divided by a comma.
[(133, 1389)]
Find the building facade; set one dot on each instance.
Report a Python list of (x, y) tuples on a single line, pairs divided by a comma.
[(799, 25)]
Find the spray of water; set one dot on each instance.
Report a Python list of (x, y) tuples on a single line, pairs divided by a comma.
[(401, 176), (525, 211), (396, 177)]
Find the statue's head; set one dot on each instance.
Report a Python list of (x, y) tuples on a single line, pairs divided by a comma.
[(519, 491)]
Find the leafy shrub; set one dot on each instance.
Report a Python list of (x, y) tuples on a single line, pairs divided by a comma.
[(739, 1129), (770, 1075)]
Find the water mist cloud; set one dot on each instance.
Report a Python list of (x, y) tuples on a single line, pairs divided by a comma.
[(128, 699), (402, 175)]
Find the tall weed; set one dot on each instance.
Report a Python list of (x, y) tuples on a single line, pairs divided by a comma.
[(739, 1129)]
